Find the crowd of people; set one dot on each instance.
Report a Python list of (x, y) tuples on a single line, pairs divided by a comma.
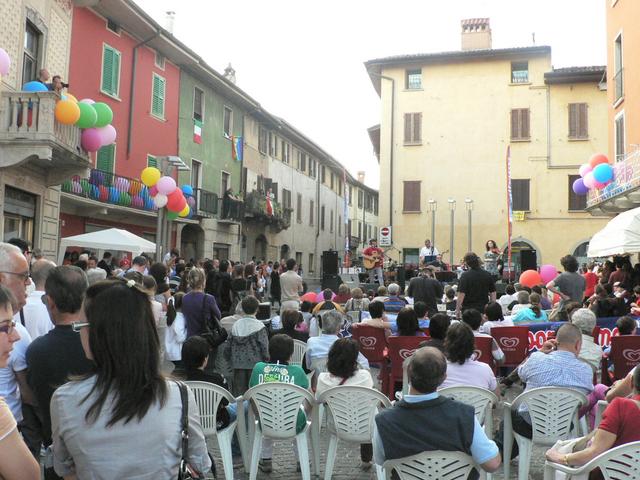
[(121, 333)]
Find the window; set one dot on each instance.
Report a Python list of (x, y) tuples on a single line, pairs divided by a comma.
[(106, 158), (299, 208), (225, 179), (31, 56), (619, 137), (350, 195), (312, 168), (414, 79), (375, 205), (311, 210), (286, 198), (274, 190), (152, 161), (310, 266), (196, 177), (375, 232), (271, 139), (159, 60), (322, 174), (617, 65), (262, 141), (227, 122), (331, 221), (360, 231), (198, 104), (576, 202), (299, 258), (520, 195), (285, 152), (110, 83), (412, 128), (411, 196), (339, 224), (360, 198), (322, 217), (349, 227), (157, 96), (578, 121), (519, 72), (303, 162), (113, 26), (332, 181), (520, 124), (275, 146)]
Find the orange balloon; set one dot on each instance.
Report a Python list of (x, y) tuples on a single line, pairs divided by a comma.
[(530, 278), (67, 112), (597, 159)]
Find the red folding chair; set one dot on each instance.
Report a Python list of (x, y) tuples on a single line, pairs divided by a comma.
[(373, 343), (625, 354), (400, 348), (514, 342), (483, 351)]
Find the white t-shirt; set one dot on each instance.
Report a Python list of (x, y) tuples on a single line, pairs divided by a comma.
[(36, 315), (362, 378), (174, 337), (429, 252), (471, 373)]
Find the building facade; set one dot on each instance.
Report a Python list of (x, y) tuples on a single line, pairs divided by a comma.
[(448, 122)]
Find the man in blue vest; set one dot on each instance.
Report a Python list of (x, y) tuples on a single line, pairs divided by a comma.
[(424, 421)]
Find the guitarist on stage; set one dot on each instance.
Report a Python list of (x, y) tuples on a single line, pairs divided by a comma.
[(374, 253)]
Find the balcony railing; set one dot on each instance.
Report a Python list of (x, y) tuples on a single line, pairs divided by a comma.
[(206, 203), (232, 209), (618, 80), (256, 208), (520, 76), (626, 174)]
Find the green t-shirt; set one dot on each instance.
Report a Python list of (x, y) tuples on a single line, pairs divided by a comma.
[(275, 372)]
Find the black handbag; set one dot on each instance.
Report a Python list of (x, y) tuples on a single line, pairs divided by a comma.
[(185, 472), (213, 333)]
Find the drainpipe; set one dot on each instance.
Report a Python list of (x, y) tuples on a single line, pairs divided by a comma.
[(134, 64), (317, 213)]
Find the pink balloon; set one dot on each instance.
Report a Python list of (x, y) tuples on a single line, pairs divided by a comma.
[(166, 185), (589, 181), (599, 185), (108, 134), (584, 169), (548, 273), (191, 201), (5, 62), (91, 139), (87, 100), (153, 191)]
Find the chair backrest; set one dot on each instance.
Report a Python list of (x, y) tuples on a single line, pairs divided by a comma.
[(401, 348), (552, 411), (208, 397), (436, 465), (353, 410), (514, 342), (625, 354), (483, 351), (278, 405), (620, 462), (480, 399), (371, 341), (299, 349)]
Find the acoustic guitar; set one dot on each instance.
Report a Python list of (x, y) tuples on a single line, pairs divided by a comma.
[(369, 261)]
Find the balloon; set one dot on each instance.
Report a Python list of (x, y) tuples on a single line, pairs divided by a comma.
[(150, 176), (108, 134), (104, 114), (187, 190), (88, 116), (584, 169), (185, 211), (67, 112), (176, 201), (530, 278), (579, 188), (5, 62), (35, 87), (548, 273), (71, 97), (309, 297), (160, 200), (166, 185), (597, 159), (589, 181), (603, 173), (600, 186), (153, 191), (87, 101), (191, 202), (91, 140), (172, 215)]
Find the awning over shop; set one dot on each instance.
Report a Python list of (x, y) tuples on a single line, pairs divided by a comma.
[(110, 239), (619, 237)]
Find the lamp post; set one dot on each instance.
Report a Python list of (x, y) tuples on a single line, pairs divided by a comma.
[(468, 203), (432, 207), (452, 209), (166, 165)]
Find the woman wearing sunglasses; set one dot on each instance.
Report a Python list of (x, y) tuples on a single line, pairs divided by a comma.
[(16, 462), (123, 420)]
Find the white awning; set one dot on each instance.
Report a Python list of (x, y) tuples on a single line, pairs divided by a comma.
[(110, 239), (621, 236)]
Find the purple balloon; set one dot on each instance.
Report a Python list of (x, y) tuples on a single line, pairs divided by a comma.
[(91, 139), (5, 62), (191, 201), (108, 134), (579, 188)]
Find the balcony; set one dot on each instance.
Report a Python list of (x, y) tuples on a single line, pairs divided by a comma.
[(255, 208), (232, 210), (621, 194), (618, 85), (30, 133)]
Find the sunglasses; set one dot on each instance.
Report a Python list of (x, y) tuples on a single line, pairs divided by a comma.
[(7, 327)]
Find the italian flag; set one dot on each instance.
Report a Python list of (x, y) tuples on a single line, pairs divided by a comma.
[(197, 131)]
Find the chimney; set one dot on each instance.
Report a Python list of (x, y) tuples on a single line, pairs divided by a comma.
[(169, 20), (230, 74), (361, 176), (476, 34)]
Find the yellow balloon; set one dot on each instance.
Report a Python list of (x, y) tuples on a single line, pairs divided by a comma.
[(67, 112), (71, 97), (185, 211), (150, 176)]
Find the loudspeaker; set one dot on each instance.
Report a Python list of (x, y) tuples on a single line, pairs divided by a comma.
[(400, 278), (331, 281), (528, 260), (330, 262), (264, 311)]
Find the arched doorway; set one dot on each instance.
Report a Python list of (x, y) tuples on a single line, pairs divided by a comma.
[(260, 247), (580, 252), (192, 242), (524, 256), (285, 251)]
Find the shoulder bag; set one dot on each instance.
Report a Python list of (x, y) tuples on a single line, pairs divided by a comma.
[(212, 332), (185, 472)]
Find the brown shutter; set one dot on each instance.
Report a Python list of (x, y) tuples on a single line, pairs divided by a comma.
[(411, 194), (407, 127), (576, 202), (583, 116), (573, 120), (417, 127), (515, 130), (524, 123)]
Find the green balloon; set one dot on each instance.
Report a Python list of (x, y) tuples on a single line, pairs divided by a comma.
[(171, 215), (105, 115), (88, 116)]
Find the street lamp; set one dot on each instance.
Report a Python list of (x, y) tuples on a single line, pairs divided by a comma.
[(468, 203), (432, 207), (452, 209), (166, 165)]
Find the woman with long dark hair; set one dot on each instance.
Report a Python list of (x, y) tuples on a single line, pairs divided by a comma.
[(491, 257), (123, 420), (407, 323)]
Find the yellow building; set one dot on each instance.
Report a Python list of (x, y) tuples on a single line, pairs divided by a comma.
[(447, 120)]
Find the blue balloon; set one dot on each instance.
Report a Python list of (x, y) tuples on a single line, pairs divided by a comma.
[(35, 87), (187, 190), (603, 173)]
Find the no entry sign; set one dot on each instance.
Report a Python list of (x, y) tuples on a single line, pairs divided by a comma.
[(385, 237)]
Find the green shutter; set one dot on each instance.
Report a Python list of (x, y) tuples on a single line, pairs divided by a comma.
[(106, 158), (152, 161), (110, 71), (157, 102)]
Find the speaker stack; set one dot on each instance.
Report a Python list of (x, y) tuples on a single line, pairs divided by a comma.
[(330, 277)]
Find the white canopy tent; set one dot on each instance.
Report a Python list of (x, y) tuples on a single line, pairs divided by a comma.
[(621, 236), (110, 239)]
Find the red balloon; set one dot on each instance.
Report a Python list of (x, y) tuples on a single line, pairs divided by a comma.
[(530, 278), (597, 159), (176, 201)]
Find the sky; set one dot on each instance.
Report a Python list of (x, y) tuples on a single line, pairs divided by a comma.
[(303, 60)]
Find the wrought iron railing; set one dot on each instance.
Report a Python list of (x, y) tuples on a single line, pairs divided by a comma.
[(520, 76), (255, 206)]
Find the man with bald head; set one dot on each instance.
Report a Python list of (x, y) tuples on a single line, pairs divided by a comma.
[(423, 421), (36, 316)]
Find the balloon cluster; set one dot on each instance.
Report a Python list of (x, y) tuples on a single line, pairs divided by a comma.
[(108, 188), (165, 193), (531, 278), (596, 174)]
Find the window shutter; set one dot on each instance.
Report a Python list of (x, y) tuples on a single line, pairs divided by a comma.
[(407, 127), (157, 105), (411, 200), (105, 158), (108, 59), (573, 120), (515, 127), (417, 127), (274, 190), (524, 123), (152, 161), (583, 117)]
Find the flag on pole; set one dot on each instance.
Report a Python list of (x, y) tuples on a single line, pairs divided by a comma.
[(269, 207), (236, 148), (509, 209), (197, 131), (347, 252)]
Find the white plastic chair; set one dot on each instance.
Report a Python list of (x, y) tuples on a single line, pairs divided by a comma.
[(277, 405), (352, 410), (208, 396), (436, 465), (552, 411), (299, 349), (620, 462), (600, 408), (481, 399)]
